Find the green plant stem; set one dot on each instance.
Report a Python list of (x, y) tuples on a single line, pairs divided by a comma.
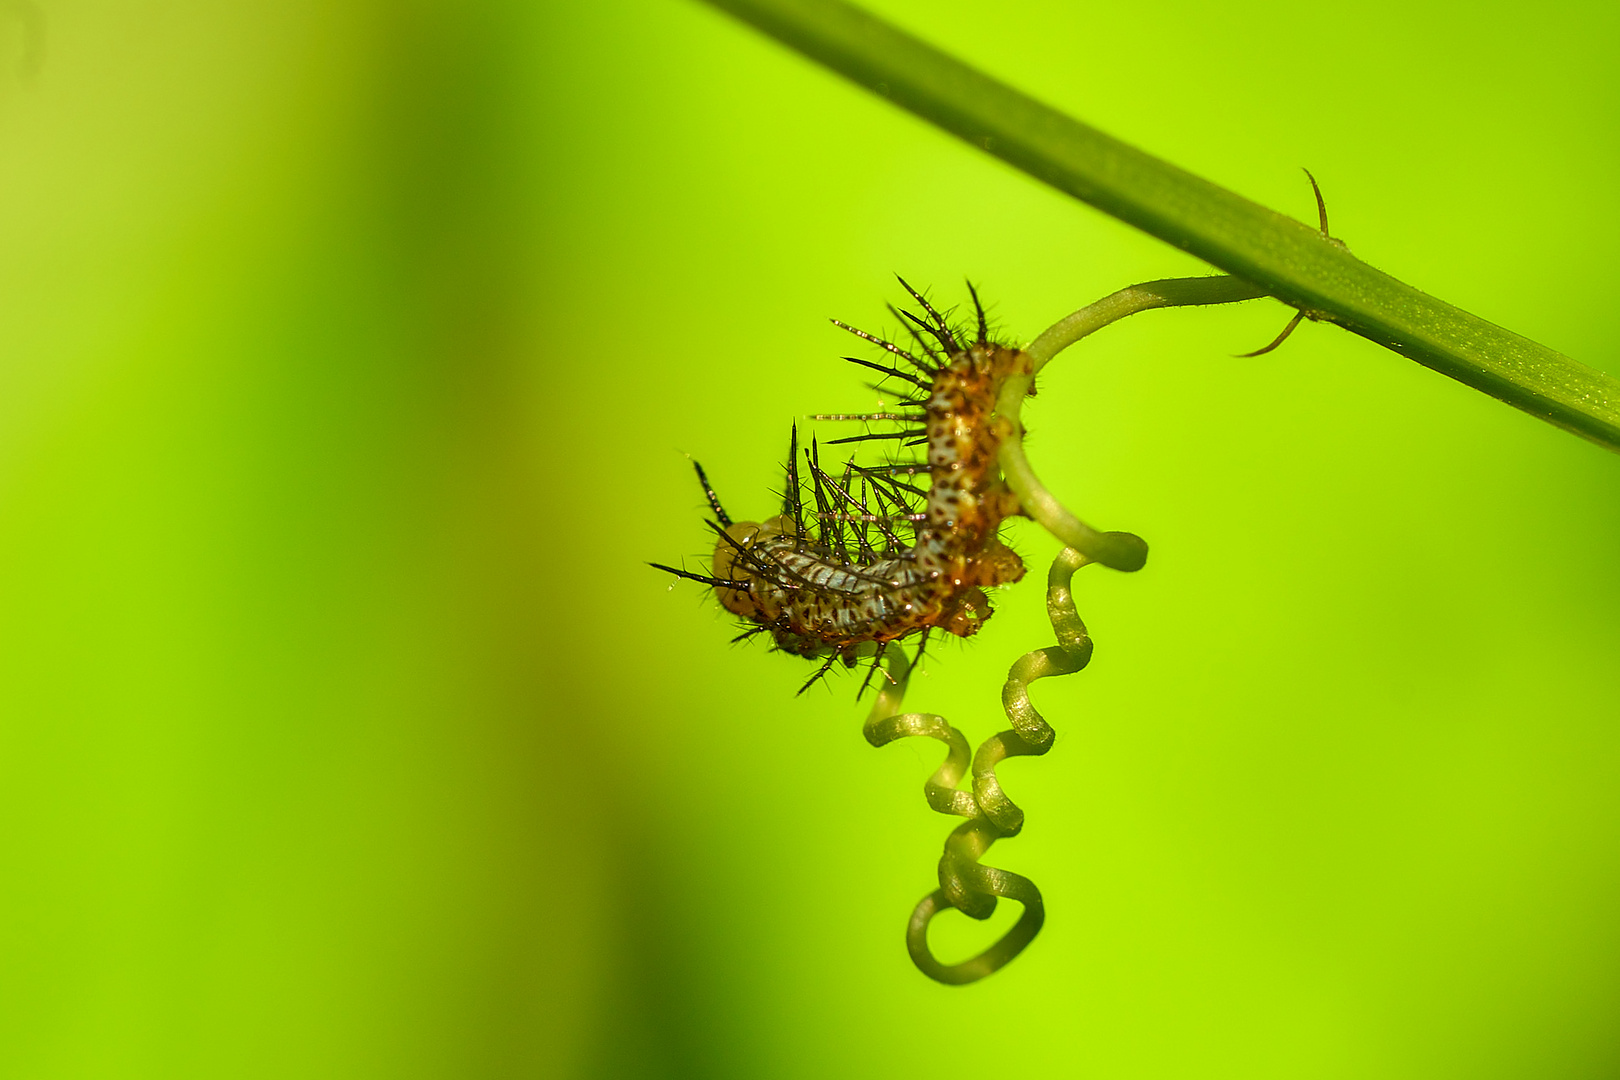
[(1289, 260)]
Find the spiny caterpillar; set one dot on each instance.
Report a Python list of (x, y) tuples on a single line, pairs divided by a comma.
[(874, 559), (822, 586)]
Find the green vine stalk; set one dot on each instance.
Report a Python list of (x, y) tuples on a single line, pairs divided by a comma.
[(1282, 257)]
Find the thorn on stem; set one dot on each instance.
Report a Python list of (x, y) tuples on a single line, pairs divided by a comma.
[(1278, 340), (1322, 224)]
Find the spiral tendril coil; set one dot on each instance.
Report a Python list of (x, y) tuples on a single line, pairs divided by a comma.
[(965, 883)]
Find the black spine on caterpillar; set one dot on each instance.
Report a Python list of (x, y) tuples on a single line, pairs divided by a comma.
[(859, 561)]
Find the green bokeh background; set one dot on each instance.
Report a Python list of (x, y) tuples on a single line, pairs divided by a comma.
[(351, 357)]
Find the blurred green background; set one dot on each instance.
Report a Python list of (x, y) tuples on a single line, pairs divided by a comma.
[(351, 357)]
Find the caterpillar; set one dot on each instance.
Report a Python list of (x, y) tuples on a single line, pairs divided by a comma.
[(858, 562)]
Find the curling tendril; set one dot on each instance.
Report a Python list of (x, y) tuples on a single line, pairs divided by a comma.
[(965, 883)]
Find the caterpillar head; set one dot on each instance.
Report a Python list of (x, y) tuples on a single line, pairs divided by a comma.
[(731, 563)]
